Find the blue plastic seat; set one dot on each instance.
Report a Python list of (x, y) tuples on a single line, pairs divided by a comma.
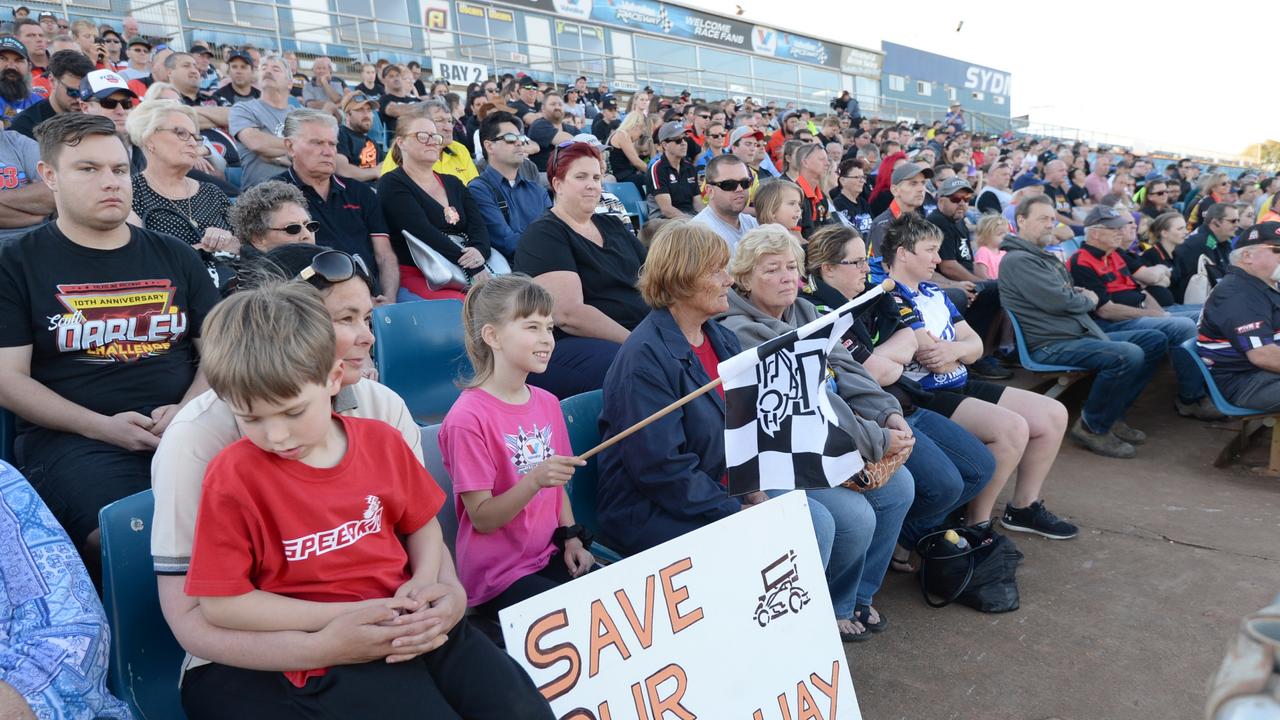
[(629, 194), (1065, 374), (582, 415), (434, 462), (8, 430), (1219, 401), (145, 657), (419, 353)]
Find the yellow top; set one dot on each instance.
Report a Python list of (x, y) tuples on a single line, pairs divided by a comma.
[(454, 160)]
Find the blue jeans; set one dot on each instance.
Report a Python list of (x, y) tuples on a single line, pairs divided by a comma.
[(1176, 330), (1124, 362), (856, 533), (950, 467), (1191, 312)]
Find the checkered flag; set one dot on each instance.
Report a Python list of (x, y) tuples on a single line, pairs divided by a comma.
[(781, 432), (664, 19)]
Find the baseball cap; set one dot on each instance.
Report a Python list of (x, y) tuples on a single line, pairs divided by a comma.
[(1106, 216), (906, 171), (46, 14), (527, 82), (609, 102), (103, 83), (670, 131), (589, 139), (1267, 232), (137, 40), (200, 49), (1026, 180), (358, 99), (953, 185), (13, 45), (242, 53), (743, 131), (1047, 157)]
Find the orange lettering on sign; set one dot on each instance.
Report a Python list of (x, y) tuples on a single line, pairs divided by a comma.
[(541, 658), (676, 595), (600, 620)]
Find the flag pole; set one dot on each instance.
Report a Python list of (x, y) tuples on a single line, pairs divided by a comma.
[(883, 287)]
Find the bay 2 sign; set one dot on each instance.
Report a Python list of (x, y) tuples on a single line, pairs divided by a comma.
[(458, 73), (730, 621)]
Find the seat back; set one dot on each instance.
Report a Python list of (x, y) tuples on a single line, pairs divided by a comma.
[(1024, 354), (1219, 399), (8, 430), (629, 194), (434, 462), (419, 353), (145, 657), (582, 417)]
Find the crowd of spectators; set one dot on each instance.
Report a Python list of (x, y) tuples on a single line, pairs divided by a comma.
[(175, 220)]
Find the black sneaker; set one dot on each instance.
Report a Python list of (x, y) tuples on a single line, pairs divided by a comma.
[(1037, 519), (988, 369)]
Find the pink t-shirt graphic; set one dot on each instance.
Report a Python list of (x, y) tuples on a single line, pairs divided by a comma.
[(488, 444)]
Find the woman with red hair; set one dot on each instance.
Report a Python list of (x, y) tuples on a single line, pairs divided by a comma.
[(589, 262), (880, 195)]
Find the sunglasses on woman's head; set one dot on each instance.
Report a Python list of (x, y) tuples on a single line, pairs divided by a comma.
[(333, 267), (296, 228)]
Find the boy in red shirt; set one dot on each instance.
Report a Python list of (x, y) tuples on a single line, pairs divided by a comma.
[(300, 521)]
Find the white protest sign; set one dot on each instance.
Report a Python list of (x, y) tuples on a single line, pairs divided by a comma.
[(456, 72), (730, 621)]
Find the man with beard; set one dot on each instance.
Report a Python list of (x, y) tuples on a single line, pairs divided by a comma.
[(15, 94), (240, 70), (548, 130), (508, 202), (360, 155), (67, 69)]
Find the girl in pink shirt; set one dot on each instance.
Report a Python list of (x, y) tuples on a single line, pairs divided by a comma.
[(990, 232), (507, 450)]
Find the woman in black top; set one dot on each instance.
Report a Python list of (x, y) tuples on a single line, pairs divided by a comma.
[(850, 198), (1167, 232), (436, 209), (589, 262), (1077, 195)]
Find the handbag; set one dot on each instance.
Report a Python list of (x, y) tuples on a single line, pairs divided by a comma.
[(980, 574), (442, 274), (1199, 284), (874, 475)]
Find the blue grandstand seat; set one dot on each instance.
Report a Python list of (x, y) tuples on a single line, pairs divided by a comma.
[(419, 353), (145, 657), (435, 465), (582, 415), (629, 194), (1253, 420), (1064, 375), (8, 430)]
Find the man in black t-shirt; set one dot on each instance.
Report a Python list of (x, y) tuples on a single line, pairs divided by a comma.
[(393, 102), (549, 129), (526, 104), (99, 328), (240, 70), (1058, 188), (362, 155), (66, 69), (607, 121), (673, 180)]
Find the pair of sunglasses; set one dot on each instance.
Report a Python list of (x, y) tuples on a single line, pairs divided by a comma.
[(333, 267), (731, 185), (296, 228)]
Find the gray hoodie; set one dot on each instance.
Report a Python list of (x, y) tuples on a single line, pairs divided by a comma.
[(1036, 287), (866, 405)]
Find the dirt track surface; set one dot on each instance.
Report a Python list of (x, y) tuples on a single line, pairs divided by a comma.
[(1126, 622)]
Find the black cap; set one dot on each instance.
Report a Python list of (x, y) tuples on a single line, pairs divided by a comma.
[(200, 49), (609, 102), (1267, 232), (13, 45), (527, 82), (242, 53)]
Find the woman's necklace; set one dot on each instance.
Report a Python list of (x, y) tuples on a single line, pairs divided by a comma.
[(185, 199)]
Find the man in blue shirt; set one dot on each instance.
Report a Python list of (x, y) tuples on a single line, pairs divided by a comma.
[(508, 202)]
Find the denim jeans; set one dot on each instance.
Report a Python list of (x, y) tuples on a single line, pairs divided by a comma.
[(1176, 330), (858, 531), (1124, 363), (950, 467), (1192, 312)]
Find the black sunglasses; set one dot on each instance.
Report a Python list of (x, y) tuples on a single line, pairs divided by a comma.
[(731, 185), (295, 228), (112, 103), (333, 267)]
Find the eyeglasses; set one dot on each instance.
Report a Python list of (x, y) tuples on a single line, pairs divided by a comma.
[(715, 135), (1158, 192), (332, 267), (731, 185), (860, 262), (491, 90), (183, 134), (296, 228), (511, 138), (111, 41), (72, 92), (704, 117), (360, 98), (427, 138), (112, 103), (958, 198)]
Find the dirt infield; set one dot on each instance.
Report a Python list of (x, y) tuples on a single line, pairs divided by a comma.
[(1126, 622)]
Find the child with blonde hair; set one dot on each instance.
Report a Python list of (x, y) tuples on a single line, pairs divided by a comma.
[(990, 233)]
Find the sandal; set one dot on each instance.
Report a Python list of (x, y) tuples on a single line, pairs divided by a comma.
[(901, 561), (850, 637), (862, 613)]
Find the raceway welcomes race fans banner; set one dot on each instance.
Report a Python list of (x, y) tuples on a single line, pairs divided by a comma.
[(729, 621)]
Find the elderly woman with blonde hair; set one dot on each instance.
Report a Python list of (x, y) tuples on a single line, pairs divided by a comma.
[(763, 304)]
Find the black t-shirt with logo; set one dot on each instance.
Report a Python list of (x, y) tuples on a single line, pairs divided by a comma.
[(359, 149), (110, 330), (1061, 199), (227, 93), (955, 239), (386, 101), (680, 183), (523, 108)]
